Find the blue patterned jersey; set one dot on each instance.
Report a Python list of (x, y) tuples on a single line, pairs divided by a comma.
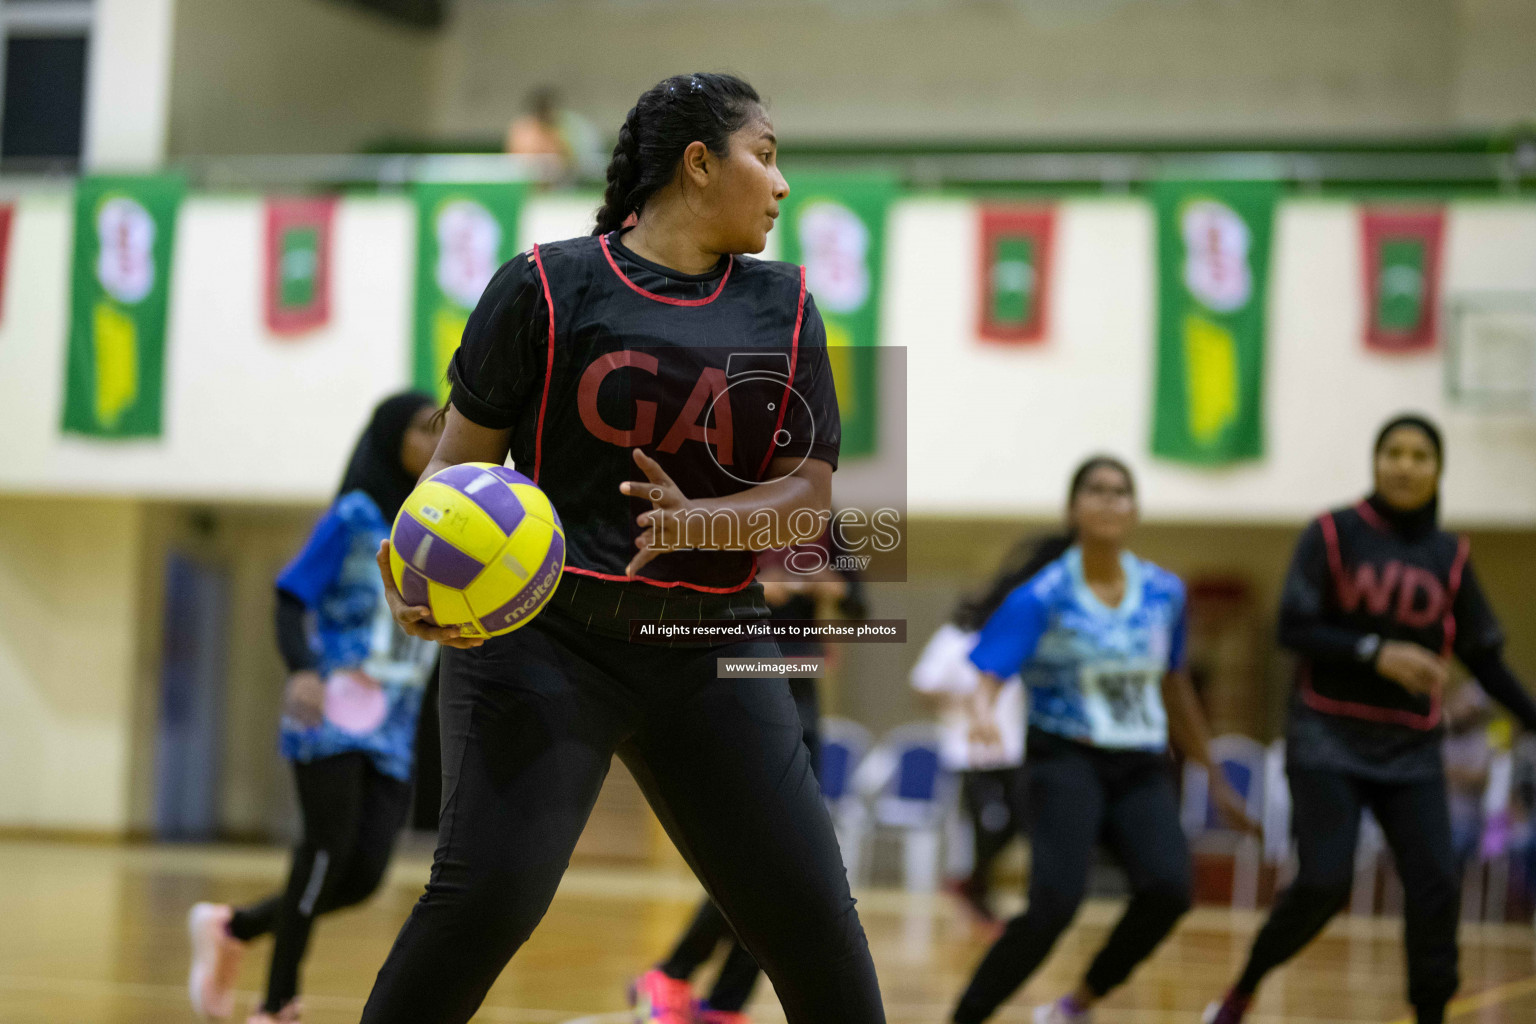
[(337, 578), (1094, 673)]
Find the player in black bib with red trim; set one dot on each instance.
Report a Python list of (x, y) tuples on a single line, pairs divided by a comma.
[(1377, 601), (674, 399)]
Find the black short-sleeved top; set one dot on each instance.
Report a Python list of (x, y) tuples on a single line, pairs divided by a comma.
[(585, 351), (1353, 575)]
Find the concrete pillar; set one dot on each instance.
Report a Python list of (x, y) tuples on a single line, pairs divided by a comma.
[(128, 80)]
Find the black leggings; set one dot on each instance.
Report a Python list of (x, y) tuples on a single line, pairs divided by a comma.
[(531, 721), (352, 813), (1326, 808), (994, 799), (1077, 795), (427, 803), (738, 975)]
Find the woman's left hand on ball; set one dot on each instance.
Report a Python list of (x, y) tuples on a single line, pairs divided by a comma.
[(414, 619)]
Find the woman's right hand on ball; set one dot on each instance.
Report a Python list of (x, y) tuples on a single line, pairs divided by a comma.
[(1411, 666), (414, 619)]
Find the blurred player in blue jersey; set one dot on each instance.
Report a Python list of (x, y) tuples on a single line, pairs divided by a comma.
[(1098, 637), (354, 692)]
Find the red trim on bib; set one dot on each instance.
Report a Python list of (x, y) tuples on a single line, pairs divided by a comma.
[(789, 385), (549, 368), (608, 255), (668, 584), (1369, 712), (1448, 624)]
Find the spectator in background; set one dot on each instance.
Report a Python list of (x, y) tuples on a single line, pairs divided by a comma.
[(1522, 837), (991, 775), (1467, 755), (546, 129)]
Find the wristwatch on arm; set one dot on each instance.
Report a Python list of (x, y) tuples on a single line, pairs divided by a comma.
[(1367, 647)]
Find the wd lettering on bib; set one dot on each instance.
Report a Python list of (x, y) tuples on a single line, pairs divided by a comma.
[(1395, 587), (1420, 593)]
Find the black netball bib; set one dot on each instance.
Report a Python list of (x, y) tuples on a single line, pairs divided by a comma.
[(1398, 588), (705, 386)]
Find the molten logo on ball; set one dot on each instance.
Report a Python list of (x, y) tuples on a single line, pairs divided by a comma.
[(479, 545)]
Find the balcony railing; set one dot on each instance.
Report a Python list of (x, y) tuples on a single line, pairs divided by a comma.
[(1510, 171)]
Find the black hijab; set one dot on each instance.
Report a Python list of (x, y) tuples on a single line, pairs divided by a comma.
[(1415, 522), (375, 468)]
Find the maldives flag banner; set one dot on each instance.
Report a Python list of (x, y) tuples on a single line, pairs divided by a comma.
[(1015, 273), (114, 380), (297, 284), (1213, 241), (464, 232), (1401, 250)]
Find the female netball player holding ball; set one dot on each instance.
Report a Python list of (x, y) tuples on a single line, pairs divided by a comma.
[(608, 367), (1377, 600), (349, 719), (1098, 637)]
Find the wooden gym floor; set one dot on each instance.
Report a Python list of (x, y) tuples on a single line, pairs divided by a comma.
[(94, 934)]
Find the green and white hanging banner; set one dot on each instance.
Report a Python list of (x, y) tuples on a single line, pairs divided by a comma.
[(464, 232), (836, 228), (1213, 243), (125, 230)]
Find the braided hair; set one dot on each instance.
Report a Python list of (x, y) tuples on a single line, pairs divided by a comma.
[(665, 121)]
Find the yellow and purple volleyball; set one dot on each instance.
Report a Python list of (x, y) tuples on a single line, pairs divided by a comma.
[(481, 546)]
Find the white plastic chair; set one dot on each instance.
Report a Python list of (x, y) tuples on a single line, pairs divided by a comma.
[(844, 747), (1368, 850), (1279, 847), (910, 792), (1244, 762), (1493, 850)]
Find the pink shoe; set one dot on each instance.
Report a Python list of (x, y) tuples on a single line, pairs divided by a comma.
[(721, 1017), (216, 957), (973, 901), (655, 998)]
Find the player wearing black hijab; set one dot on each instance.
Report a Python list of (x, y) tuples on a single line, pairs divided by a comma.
[(674, 399), (1377, 600), (349, 719)]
